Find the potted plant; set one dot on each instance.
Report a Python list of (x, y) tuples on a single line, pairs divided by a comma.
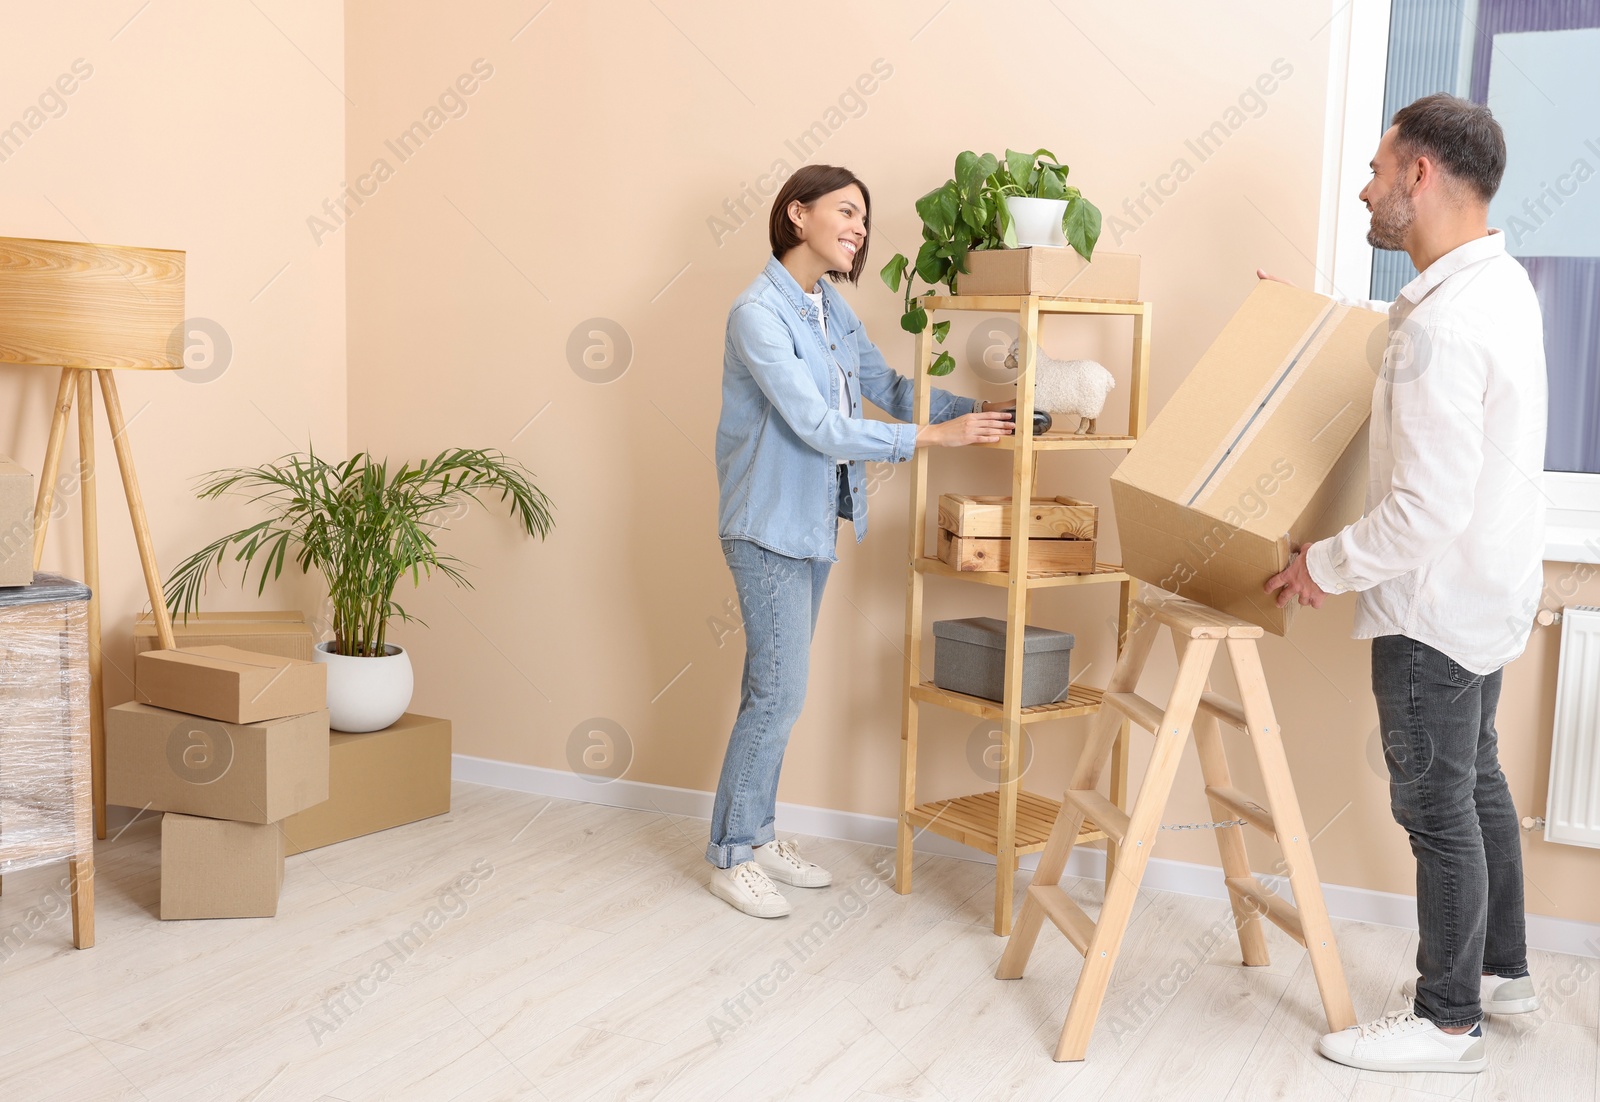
[(364, 526), (990, 203)]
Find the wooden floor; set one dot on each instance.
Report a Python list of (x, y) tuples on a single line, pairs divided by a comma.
[(582, 957)]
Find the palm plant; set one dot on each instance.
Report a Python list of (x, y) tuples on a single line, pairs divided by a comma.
[(361, 525)]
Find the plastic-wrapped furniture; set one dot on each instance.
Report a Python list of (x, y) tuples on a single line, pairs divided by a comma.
[(46, 782)]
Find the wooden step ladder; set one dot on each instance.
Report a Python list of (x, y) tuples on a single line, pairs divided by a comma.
[(1196, 633)]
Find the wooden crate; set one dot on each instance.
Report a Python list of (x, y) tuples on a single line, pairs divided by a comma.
[(990, 517), (1053, 555)]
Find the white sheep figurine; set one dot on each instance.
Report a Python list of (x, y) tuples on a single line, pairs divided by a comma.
[(1067, 388)]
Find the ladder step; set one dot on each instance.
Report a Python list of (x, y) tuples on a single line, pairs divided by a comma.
[(1282, 913), (1064, 911), (1101, 811), (1243, 807), (1136, 708), (1224, 709)]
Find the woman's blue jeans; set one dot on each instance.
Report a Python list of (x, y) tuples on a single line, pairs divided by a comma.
[(1447, 790), (779, 598)]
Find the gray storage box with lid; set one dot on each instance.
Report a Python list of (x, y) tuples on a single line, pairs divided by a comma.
[(969, 656)]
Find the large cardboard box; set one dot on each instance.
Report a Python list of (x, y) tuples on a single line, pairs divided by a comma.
[(251, 772), (216, 868), (1059, 273), (377, 780), (16, 524), (280, 632), (226, 683), (1263, 446)]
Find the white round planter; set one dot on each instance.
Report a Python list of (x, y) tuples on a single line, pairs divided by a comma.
[(1038, 221), (366, 694)]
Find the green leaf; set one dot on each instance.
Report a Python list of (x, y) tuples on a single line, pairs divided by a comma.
[(931, 208), (1008, 227), (1051, 185), (1081, 224), (940, 330), (930, 265), (893, 271), (1020, 166), (942, 364), (914, 320)]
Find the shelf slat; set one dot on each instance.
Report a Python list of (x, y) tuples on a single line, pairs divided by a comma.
[(1081, 700), (1011, 304), (975, 820), (1103, 572), (1063, 441)]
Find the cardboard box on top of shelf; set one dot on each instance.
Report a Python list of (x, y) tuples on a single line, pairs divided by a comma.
[(1051, 271), (1262, 447), (251, 772), (16, 523), (282, 632), (226, 683), (377, 780), (219, 868)]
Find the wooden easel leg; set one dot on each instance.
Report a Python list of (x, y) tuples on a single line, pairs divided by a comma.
[(1284, 805), (89, 500), (1144, 822), (1064, 832), (141, 526), (46, 500), (80, 870)]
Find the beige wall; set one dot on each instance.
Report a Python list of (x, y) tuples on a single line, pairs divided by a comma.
[(589, 175), (214, 129)]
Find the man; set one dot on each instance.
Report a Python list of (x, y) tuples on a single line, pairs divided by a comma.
[(1448, 566)]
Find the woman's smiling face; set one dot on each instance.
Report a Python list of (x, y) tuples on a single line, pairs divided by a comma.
[(834, 227)]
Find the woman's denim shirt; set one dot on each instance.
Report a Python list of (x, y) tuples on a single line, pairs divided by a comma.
[(781, 433)]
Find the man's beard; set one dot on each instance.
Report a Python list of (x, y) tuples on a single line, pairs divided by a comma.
[(1391, 218)]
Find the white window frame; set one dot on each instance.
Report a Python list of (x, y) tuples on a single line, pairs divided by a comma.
[(1358, 53)]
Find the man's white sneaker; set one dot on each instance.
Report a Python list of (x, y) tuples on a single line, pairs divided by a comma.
[(747, 888), (1497, 995), (782, 861), (1401, 1041)]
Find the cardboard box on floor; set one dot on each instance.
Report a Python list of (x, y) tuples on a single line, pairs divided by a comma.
[(226, 683), (16, 524), (217, 868), (252, 772), (1263, 446), (280, 632), (377, 780)]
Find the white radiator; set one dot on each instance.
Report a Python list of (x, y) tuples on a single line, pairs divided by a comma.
[(1573, 813)]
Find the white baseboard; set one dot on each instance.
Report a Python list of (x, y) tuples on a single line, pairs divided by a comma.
[(1557, 935)]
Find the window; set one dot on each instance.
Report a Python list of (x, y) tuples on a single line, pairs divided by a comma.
[(1533, 62)]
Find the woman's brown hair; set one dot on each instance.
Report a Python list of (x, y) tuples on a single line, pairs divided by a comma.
[(806, 186)]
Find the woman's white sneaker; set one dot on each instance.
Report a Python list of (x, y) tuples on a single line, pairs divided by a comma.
[(1401, 1041), (1497, 994), (747, 888), (782, 861)]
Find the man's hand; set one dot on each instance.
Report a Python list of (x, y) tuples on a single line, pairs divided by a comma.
[(1262, 273), (1295, 581)]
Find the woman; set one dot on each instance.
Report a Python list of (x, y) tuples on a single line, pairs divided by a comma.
[(791, 448)]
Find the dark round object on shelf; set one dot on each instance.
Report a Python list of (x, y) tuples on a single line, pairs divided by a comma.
[(1041, 422)]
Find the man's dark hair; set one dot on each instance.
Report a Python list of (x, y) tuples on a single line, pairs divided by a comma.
[(1458, 135), (806, 186)]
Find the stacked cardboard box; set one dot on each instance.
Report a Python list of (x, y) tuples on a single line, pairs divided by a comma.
[(271, 632), (975, 533), (228, 743)]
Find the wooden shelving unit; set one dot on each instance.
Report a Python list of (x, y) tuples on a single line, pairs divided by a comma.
[(1006, 821)]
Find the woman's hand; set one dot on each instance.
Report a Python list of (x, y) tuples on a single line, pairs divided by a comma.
[(970, 428)]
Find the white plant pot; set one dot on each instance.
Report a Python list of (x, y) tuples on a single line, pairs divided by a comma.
[(366, 694), (1038, 221)]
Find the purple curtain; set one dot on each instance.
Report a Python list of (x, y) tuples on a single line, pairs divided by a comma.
[(1568, 287)]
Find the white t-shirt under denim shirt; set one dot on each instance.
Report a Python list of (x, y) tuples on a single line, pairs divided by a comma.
[(1451, 549), (844, 393)]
